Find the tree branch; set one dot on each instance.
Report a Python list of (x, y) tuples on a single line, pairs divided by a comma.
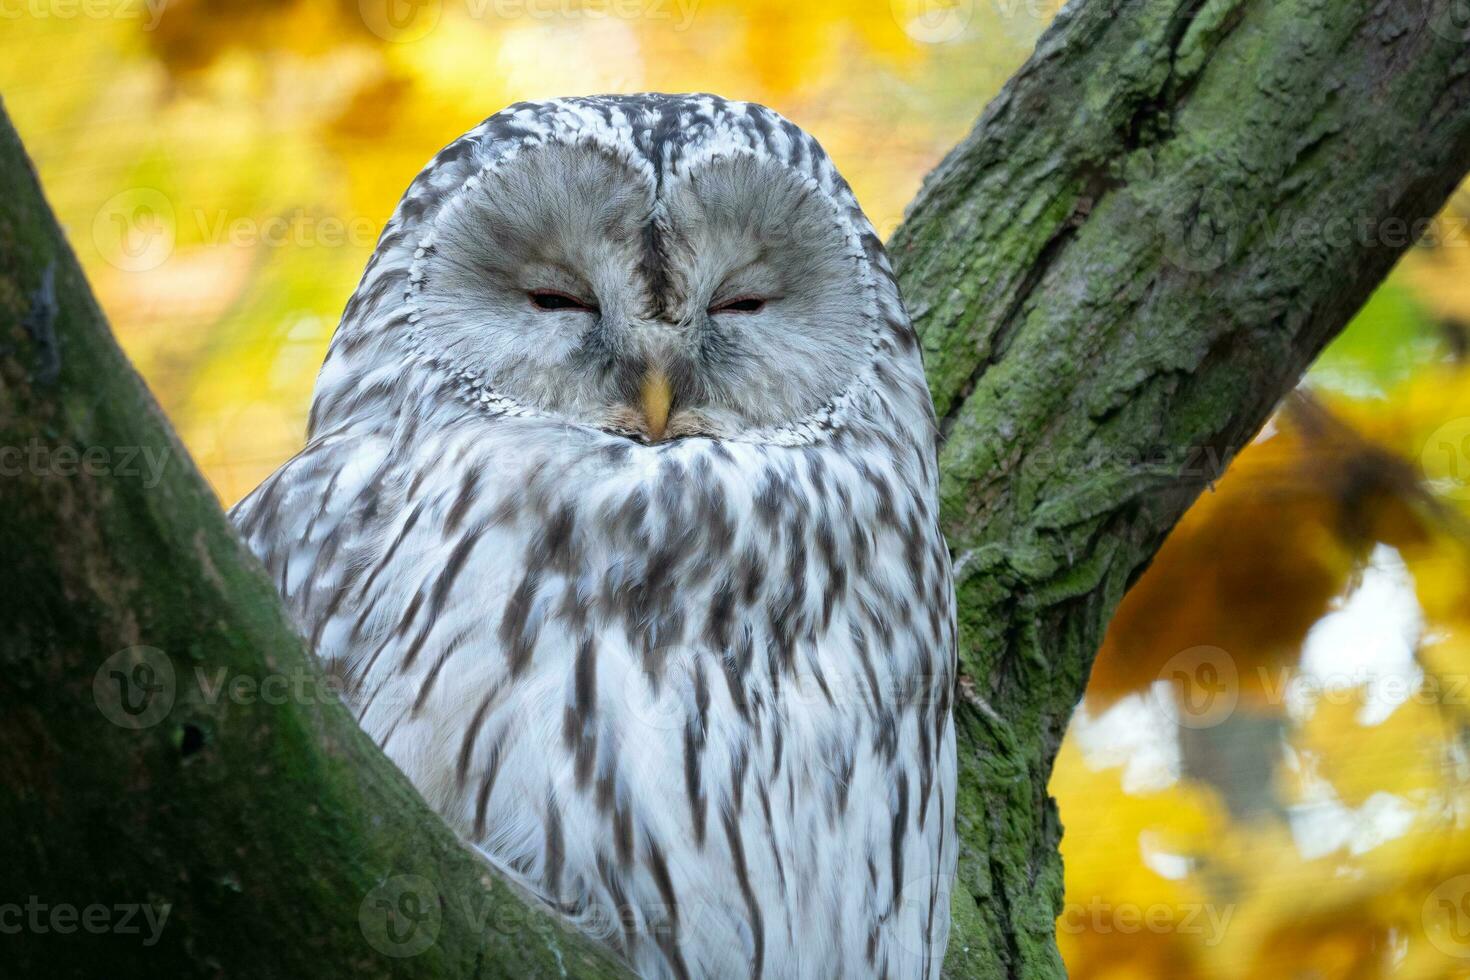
[(1151, 232), (221, 783), (1116, 276)]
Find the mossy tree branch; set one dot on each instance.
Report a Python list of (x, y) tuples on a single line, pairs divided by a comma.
[(1122, 269), (1149, 235), (237, 799)]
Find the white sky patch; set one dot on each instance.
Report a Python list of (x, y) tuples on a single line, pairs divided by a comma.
[(1347, 381), (1368, 640), (1136, 734), (548, 58), (1164, 863), (1384, 817), (303, 334), (1325, 827)]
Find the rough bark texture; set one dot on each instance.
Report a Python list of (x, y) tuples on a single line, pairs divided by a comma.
[(1116, 276), (1149, 235), (270, 830)]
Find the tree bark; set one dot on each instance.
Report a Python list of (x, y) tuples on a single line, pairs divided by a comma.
[(222, 784), (1116, 276), (1151, 232)]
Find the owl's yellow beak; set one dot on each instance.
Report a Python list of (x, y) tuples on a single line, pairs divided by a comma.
[(656, 397)]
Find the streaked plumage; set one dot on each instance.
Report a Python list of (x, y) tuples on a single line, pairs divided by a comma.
[(693, 692)]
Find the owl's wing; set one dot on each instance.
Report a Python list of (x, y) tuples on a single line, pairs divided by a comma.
[(307, 519)]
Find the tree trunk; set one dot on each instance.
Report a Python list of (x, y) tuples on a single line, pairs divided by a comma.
[(1149, 235), (1116, 276), (222, 785)]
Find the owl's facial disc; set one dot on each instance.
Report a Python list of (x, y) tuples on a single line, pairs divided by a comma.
[(722, 299)]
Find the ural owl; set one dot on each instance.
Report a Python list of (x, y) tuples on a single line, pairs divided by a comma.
[(618, 520)]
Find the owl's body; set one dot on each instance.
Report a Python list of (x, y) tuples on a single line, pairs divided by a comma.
[(679, 664)]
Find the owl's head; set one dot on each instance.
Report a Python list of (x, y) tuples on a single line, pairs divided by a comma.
[(652, 266)]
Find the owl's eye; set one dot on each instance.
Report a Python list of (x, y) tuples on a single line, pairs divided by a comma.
[(745, 304), (552, 299)]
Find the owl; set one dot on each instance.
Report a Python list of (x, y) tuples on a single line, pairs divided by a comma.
[(618, 523)]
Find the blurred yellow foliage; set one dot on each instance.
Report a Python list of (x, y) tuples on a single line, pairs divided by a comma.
[(1219, 582), (223, 168), (1360, 867)]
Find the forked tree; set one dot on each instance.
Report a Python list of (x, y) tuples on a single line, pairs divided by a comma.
[(1150, 233)]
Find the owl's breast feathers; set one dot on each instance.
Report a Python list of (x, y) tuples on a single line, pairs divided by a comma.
[(695, 696)]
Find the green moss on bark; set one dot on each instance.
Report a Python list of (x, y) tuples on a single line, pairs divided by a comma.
[(1109, 308), (264, 821), (1116, 276)]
